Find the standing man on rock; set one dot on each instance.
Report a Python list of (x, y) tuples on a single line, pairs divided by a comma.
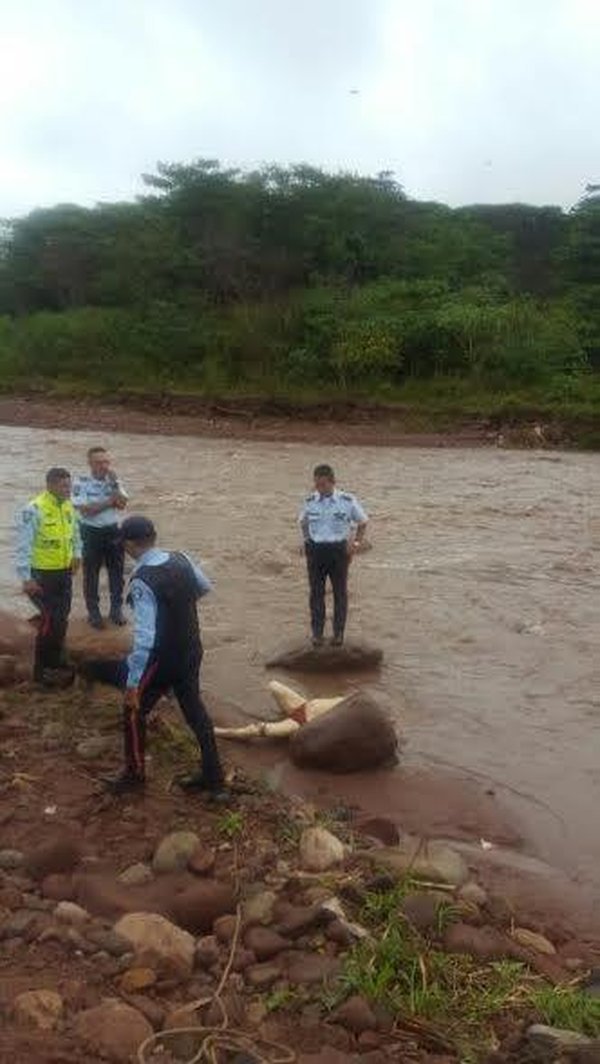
[(48, 553), (99, 498), (167, 653), (333, 525)]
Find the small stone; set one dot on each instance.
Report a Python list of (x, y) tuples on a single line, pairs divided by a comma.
[(109, 941), (135, 979), (256, 1012), (158, 944), (421, 909), (533, 940), (58, 887), (355, 1015), (20, 924), (152, 1010), (208, 951), (57, 856), (174, 851), (258, 909), (113, 1030), (198, 906), (555, 1038), (264, 942), (484, 943), (224, 929), (305, 969), (38, 1008), (10, 859), (67, 912), (429, 860), (92, 748), (472, 892), (262, 976), (242, 959), (202, 861), (380, 828), (296, 920), (320, 850), (339, 932), (136, 875)]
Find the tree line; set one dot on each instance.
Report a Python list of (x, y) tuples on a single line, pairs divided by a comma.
[(282, 279)]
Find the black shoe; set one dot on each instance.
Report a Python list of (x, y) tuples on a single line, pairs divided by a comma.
[(95, 621), (317, 640), (126, 783), (117, 618), (56, 679), (197, 783), (337, 641)]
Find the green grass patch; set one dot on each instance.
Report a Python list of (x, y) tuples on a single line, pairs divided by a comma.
[(568, 1008)]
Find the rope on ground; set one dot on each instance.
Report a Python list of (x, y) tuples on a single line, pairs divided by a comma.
[(215, 1040)]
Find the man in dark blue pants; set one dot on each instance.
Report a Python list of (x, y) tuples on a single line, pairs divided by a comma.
[(166, 656)]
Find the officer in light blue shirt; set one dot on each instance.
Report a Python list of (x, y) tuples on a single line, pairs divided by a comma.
[(333, 525), (99, 499), (167, 654)]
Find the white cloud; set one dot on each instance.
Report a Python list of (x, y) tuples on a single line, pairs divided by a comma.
[(467, 100)]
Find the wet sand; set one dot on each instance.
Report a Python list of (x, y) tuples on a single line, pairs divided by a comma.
[(482, 588)]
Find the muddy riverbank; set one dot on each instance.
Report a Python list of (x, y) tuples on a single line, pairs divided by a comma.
[(481, 588)]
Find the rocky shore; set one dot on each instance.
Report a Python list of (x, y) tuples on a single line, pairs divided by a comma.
[(160, 929)]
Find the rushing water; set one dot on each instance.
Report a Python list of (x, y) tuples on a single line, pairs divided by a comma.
[(482, 587)]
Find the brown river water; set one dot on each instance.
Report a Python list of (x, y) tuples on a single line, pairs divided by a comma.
[(482, 587)]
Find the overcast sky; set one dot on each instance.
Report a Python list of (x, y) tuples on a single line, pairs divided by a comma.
[(465, 100)]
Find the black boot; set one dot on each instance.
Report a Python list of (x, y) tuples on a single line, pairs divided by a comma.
[(95, 621), (126, 783), (117, 618), (197, 783)]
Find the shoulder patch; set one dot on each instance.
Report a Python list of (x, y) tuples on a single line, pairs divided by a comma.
[(137, 592)]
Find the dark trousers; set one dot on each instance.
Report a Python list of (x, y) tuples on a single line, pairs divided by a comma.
[(101, 546), (54, 604), (159, 679), (327, 560)]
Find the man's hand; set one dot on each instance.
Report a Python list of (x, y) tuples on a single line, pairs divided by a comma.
[(352, 546), (31, 587), (119, 502), (75, 565), (132, 698)]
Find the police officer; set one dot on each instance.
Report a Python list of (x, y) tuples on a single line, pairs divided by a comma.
[(167, 653), (333, 524), (48, 553), (99, 498)]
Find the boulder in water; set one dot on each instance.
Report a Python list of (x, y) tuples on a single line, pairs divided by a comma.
[(353, 736), (327, 658)]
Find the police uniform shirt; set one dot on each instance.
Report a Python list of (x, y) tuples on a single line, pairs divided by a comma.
[(145, 611), (90, 490), (329, 518)]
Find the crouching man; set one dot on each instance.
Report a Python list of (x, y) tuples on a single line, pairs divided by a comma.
[(167, 653)]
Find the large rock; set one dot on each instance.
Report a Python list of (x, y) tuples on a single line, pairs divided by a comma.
[(174, 851), (112, 1030), (421, 859), (198, 906), (320, 850), (158, 944), (53, 857), (353, 736), (306, 658), (41, 1009)]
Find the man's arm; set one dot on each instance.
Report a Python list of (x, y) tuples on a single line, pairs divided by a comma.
[(303, 522), (144, 631), (360, 521), (91, 509), (77, 544), (26, 525)]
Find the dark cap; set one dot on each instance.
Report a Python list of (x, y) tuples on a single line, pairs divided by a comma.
[(137, 529)]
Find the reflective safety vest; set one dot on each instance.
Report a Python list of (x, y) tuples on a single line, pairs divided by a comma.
[(55, 533)]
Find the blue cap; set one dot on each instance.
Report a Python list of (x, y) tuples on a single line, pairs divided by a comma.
[(137, 529)]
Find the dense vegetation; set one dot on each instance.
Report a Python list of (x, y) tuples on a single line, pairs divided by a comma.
[(297, 282)]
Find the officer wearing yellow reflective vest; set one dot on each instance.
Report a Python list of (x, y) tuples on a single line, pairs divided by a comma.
[(48, 553)]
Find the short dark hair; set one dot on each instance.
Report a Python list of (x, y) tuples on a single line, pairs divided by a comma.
[(96, 450), (55, 474), (324, 470)]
